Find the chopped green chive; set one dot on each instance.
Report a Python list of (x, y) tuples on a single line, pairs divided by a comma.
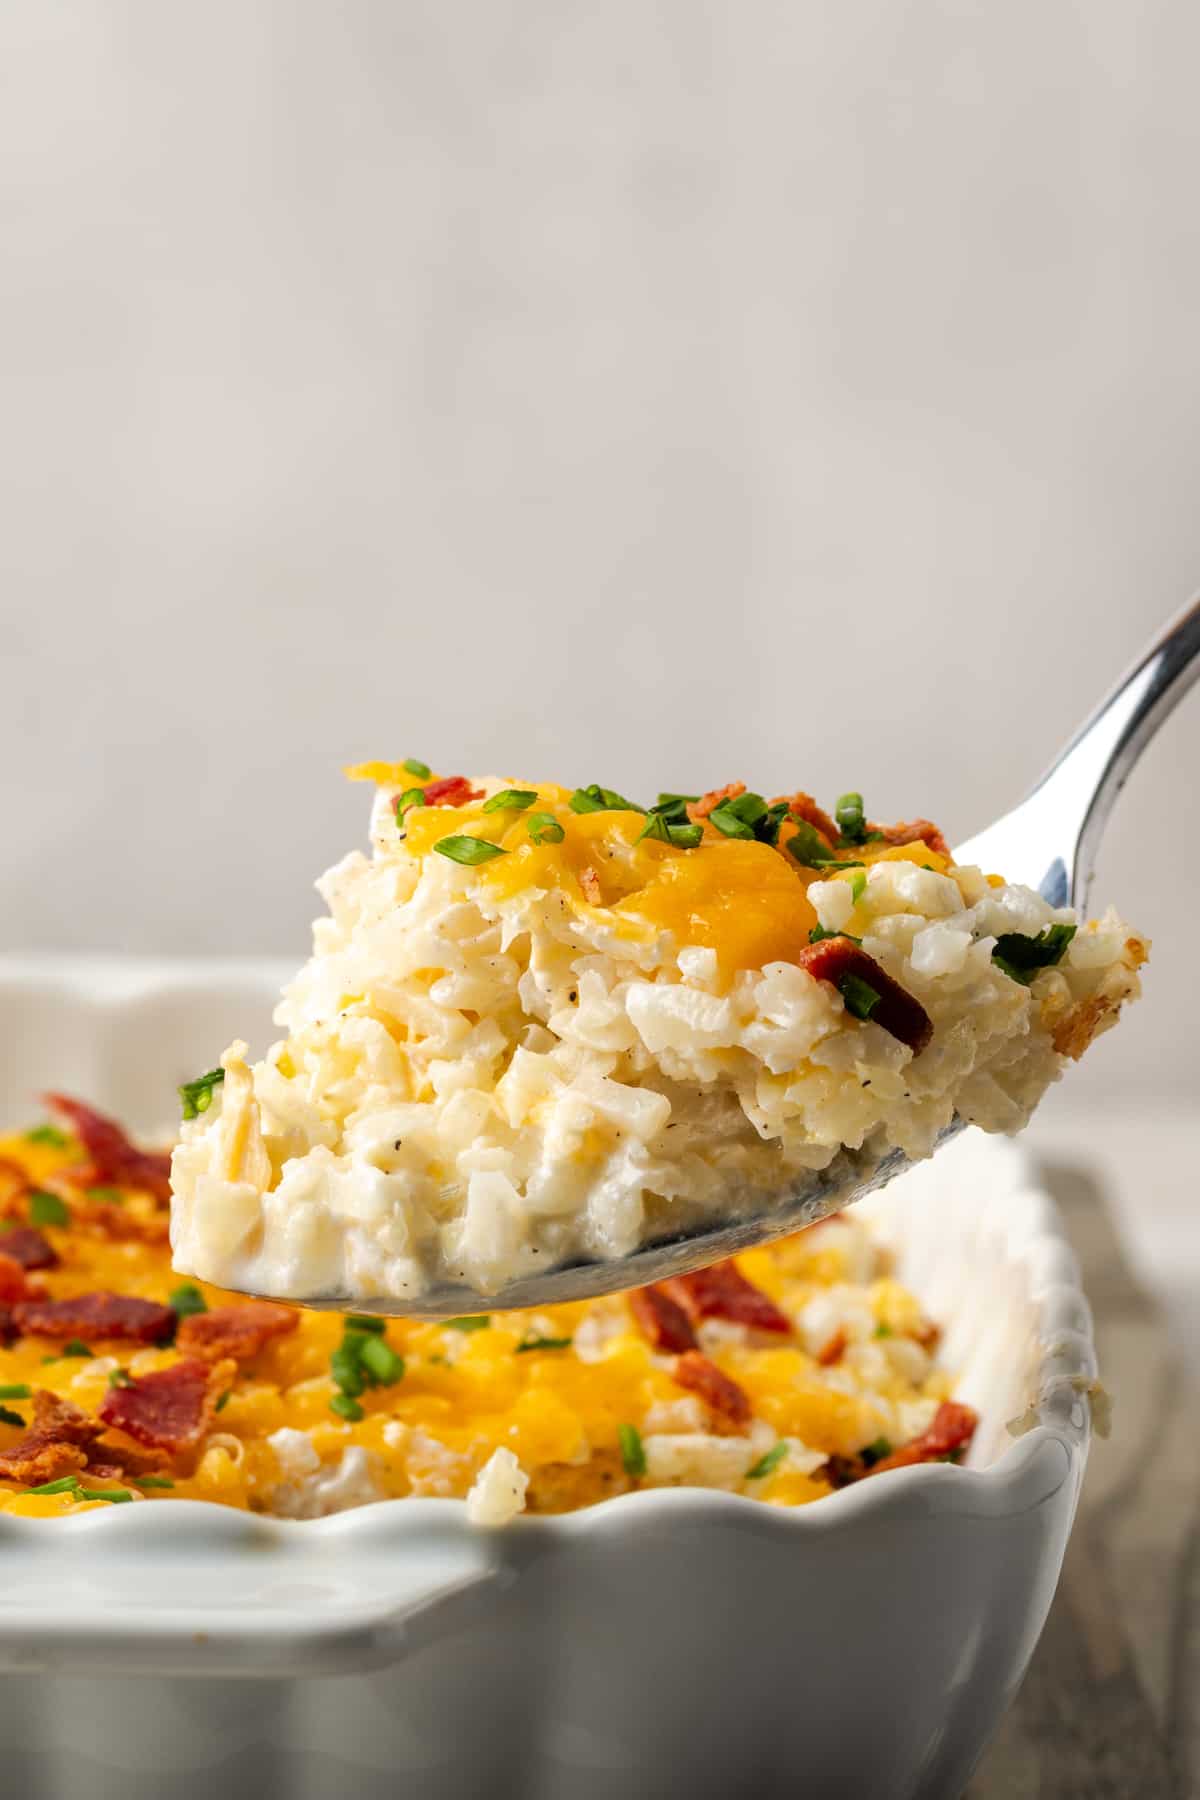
[(66, 1484), (110, 1196), (543, 1343), (196, 1096), (858, 882), (472, 1322), (412, 766), (684, 837), (860, 997), (809, 848), (468, 850), (120, 1378), (403, 802), (849, 815), (364, 1322), (1020, 957), (47, 1209), (884, 1330), (16, 1390), (873, 1453), (346, 1407), (223, 1402), (344, 1366), (510, 800), (50, 1135), (9, 1417), (601, 799), (673, 802), (544, 828), (186, 1300), (116, 1495), (75, 1347), (737, 818), (633, 1451), (155, 1481), (818, 934), (384, 1363), (766, 1465)]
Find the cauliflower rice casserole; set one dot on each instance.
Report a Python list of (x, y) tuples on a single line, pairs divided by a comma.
[(794, 1371), (540, 1025)]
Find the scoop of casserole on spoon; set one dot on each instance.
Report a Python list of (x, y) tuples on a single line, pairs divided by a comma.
[(551, 1044)]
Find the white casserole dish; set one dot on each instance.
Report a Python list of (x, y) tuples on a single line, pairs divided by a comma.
[(661, 1644)]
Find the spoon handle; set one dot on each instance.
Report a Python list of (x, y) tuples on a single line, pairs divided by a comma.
[(1051, 839)]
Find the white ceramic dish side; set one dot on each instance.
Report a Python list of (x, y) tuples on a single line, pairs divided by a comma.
[(662, 1644)]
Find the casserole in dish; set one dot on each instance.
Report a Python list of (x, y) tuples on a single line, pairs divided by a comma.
[(662, 1643)]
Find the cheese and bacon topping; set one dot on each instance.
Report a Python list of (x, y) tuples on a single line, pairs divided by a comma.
[(541, 1024), (781, 1376)]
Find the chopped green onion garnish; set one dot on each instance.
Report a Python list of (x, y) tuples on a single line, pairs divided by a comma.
[(858, 882), (510, 800), (186, 1300), (684, 837), (120, 1378), (818, 934), (75, 1347), (667, 802), (737, 818), (860, 997), (66, 1484), (468, 850), (111, 1196), (47, 1209), (344, 1365), (472, 1322), (155, 1481), (364, 1322), (223, 1402), (412, 766), (849, 814), (196, 1096), (633, 1451), (114, 1494), (876, 1452), (409, 798), (768, 1463), (9, 1417), (809, 848), (345, 1407), (16, 1390), (543, 1343), (601, 799), (544, 828), (384, 1363), (884, 1330), (49, 1135), (1020, 957)]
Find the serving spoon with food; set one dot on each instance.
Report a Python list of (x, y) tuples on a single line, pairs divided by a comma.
[(1048, 842)]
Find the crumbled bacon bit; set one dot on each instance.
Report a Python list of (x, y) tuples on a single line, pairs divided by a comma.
[(952, 1429), (172, 1408), (898, 1012), (914, 831), (53, 1446), (115, 1161), (121, 1455), (100, 1315), (803, 806), (928, 1335), (589, 881), (718, 1390), (37, 1459), (8, 1330), (25, 1244), (121, 1224), (723, 1292), (833, 1349), (236, 1331), (699, 809), (14, 1184), (13, 1283), (451, 790), (662, 1320)]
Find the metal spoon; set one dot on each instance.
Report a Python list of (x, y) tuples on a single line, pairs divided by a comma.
[(1048, 842)]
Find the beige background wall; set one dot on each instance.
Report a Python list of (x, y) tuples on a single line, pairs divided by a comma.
[(645, 393)]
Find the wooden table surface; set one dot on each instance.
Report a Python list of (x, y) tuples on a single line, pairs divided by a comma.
[(1110, 1708)]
